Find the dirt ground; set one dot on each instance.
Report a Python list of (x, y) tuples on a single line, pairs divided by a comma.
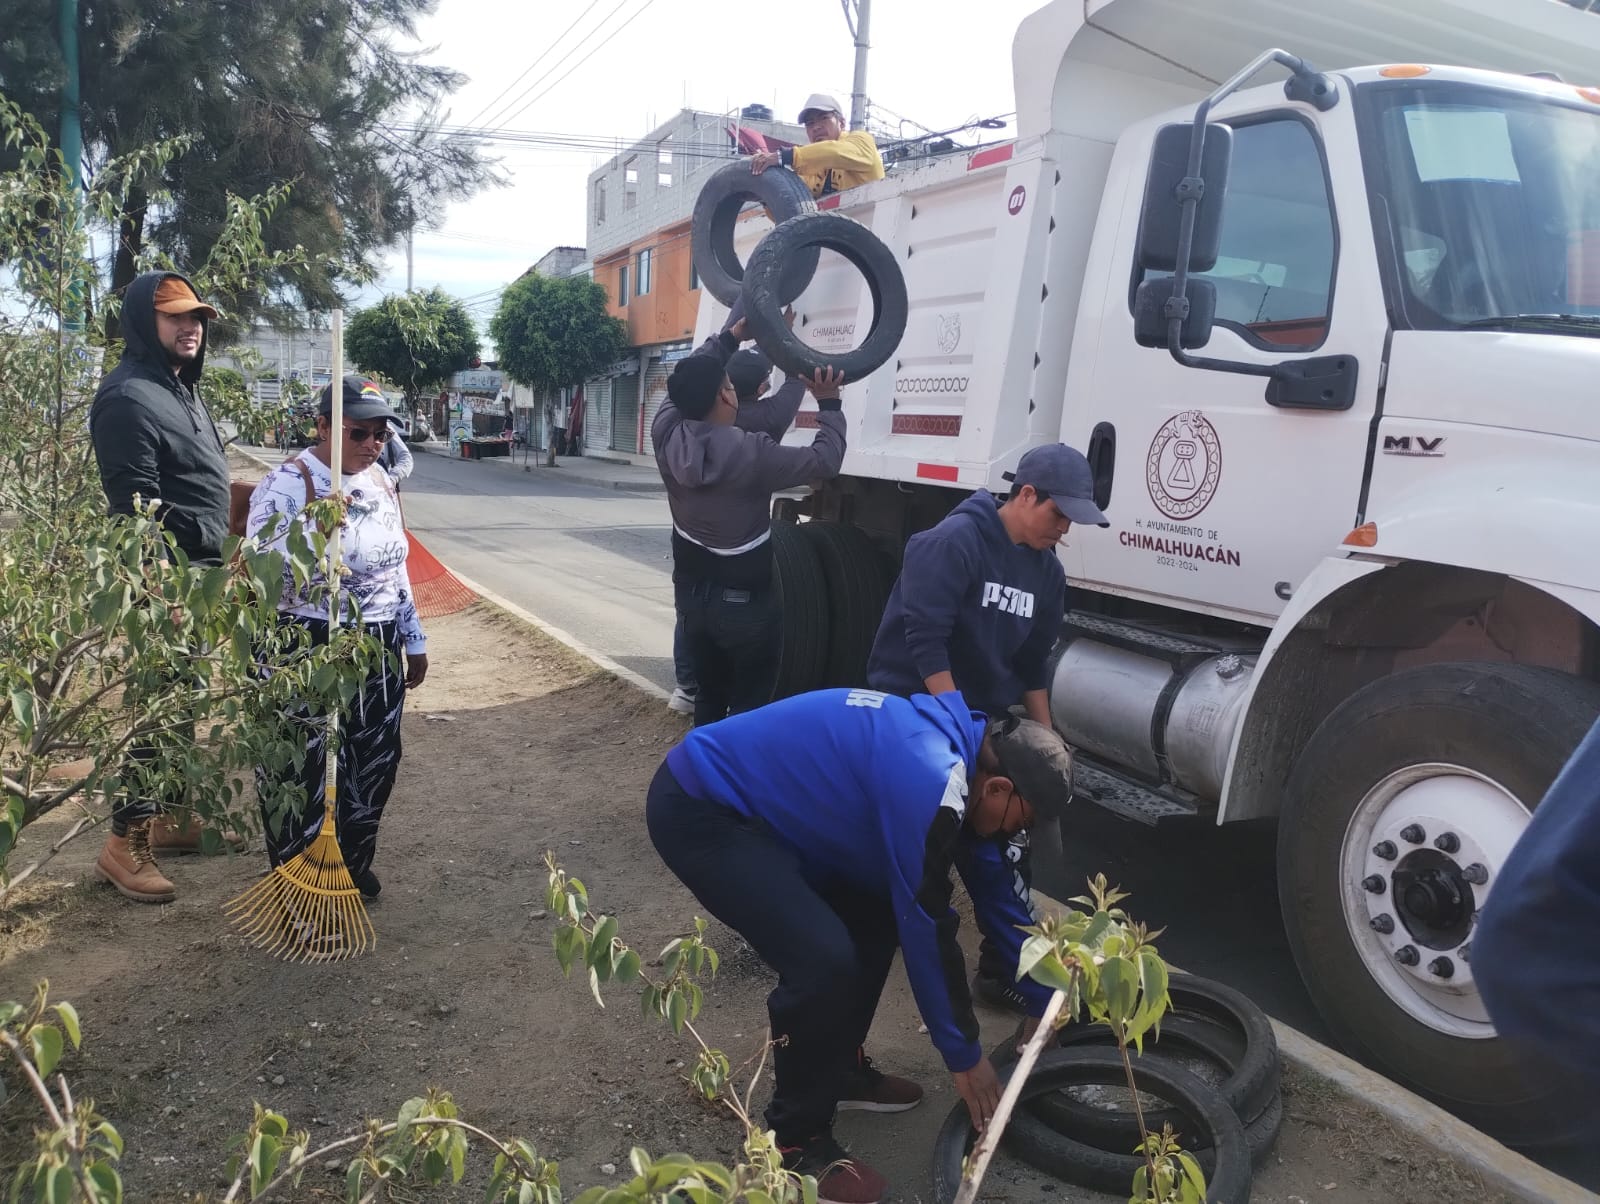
[(513, 746)]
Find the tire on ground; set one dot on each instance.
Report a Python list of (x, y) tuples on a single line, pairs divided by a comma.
[(716, 214), (858, 575), (1514, 724), (1208, 1019), (763, 294), (1226, 1158), (801, 591)]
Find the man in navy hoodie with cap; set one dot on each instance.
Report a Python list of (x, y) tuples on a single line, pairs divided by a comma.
[(978, 607)]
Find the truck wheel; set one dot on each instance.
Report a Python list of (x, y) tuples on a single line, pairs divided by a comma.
[(1397, 818), (802, 593), (858, 577), (764, 301), (716, 214)]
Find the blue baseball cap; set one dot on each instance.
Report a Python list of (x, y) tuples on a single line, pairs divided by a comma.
[(1064, 475)]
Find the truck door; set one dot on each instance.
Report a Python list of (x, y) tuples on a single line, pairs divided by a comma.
[(1220, 501)]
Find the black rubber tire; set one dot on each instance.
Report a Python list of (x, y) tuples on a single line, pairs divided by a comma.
[(802, 593), (1226, 1159), (1516, 725), (716, 214), (763, 296), (859, 576)]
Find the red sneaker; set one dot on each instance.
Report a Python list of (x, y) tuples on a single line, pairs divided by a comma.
[(841, 1179), (868, 1089)]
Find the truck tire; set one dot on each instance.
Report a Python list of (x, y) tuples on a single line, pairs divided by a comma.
[(802, 595), (1410, 791), (1226, 1158), (858, 577), (1207, 1018), (764, 294), (716, 215)]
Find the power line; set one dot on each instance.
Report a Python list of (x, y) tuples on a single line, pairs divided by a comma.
[(607, 41), (556, 66), (529, 68)]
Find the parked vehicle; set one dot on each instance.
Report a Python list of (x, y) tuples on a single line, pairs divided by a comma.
[(1348, 581)]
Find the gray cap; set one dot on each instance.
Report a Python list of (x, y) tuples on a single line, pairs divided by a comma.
[(747, 368), (820, 102), (1062, 473), (1037, 760)]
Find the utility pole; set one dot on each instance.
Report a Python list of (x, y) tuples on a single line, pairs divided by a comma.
[(408, 260), (859, 20), (71, 139)]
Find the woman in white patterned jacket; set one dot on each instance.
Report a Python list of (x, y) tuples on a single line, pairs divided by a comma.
[(373, 548)]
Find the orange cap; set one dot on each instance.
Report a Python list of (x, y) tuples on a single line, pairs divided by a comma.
[(173, 296)]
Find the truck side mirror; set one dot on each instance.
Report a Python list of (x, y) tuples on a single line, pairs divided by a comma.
[(1152, 318), (1169, 184)]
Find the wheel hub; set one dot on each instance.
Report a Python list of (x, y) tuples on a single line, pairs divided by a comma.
[(1420, 855)]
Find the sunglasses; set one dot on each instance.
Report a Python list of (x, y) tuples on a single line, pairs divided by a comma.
[(360, 434)]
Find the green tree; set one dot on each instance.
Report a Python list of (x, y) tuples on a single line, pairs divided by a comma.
[(554, 332), (314, 93), (417, 339)]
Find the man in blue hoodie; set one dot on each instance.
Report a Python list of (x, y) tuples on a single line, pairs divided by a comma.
[(720, 479), (823, 828), (978, 607), (1536, 952)]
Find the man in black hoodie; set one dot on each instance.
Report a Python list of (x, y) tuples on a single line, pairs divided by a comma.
[(978, 607), (720, 480), (155, 441)]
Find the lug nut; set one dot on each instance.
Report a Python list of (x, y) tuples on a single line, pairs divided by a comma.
[(1383, 924), (1448, 842), (1476, 874), (1442, 967), (1373, 884), (1386, 850), (1407, 955), (1413, 834)]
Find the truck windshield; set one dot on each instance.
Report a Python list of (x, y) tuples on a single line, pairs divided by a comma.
[(1492, 204)]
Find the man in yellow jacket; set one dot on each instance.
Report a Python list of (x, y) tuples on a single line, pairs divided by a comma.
[(835, 160)]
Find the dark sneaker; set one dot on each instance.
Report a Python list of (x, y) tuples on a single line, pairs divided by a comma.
[(367, 883), (868, 1089), (999, 992), (841, 1179)]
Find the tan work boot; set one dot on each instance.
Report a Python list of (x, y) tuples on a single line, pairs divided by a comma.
[(182, 835), (129, 864)]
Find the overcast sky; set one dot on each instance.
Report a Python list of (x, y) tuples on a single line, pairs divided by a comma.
[(937, 62)]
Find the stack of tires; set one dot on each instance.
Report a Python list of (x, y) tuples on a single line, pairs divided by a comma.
[(1213, 1074)]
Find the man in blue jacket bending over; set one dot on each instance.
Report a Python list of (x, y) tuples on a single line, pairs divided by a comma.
[(978, 607), (823, 829)]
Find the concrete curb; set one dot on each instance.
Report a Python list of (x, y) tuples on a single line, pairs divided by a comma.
[(1502, 1169), (574, 477), (561, 636)]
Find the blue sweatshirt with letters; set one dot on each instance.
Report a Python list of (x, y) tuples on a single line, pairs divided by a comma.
[(871, 790), (971, 602)]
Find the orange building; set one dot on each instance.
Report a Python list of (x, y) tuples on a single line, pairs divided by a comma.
[(639, 205)]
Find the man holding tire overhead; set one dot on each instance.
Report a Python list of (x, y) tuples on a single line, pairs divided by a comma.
[(835, 160), (720, 479), (977, 608)]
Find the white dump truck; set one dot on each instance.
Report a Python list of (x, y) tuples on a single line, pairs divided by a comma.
[(1351, 579)]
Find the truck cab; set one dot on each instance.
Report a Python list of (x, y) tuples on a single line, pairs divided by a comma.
[(1344, 582)]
